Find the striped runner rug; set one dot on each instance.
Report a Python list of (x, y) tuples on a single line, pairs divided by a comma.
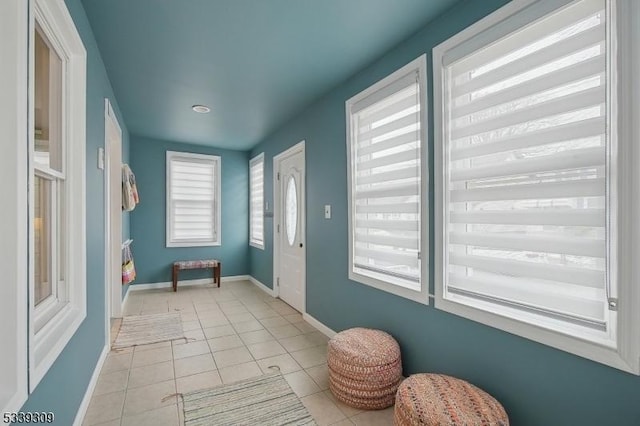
[(265, 400), (146, 329)]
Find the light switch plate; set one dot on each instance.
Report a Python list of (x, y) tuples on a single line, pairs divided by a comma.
[(101, 158), (327, 211)]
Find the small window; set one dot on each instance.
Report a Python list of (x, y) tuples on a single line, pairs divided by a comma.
[(526, 179), (387, 181), (193, 200), (256, 224)]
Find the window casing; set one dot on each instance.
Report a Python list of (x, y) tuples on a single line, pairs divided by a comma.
[(528, 157), (57, 241), (193, 199), (388, 183), (256, 198)]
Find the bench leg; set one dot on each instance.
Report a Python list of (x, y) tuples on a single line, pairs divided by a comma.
[(175, 278), (217, 273)]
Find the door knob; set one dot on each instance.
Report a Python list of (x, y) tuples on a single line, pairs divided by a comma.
[(300, 244)]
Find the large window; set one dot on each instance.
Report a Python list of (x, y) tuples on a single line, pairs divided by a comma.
[(57, 248), (193, 200), (528, 174), (256, 224), (387, 183)]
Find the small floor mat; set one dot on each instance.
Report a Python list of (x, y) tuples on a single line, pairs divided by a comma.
[(146, 329)]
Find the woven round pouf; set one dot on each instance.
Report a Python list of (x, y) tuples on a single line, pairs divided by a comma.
[(365, 368), (439, 400)]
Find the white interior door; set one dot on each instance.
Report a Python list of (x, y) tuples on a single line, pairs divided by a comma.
[(291, 229), (113, 178)]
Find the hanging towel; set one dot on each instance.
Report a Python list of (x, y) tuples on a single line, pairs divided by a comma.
[(129, 190)]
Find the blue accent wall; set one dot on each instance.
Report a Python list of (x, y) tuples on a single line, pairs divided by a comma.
[(63, 387), (538, 385), (153, 259)]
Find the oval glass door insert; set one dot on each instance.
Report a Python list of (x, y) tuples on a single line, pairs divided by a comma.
[(291, 210)]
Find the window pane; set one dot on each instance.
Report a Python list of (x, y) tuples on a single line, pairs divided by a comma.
[(291, 210), (42, 239), (48, 104)]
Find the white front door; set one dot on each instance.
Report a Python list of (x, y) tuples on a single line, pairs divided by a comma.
[(291, 228)]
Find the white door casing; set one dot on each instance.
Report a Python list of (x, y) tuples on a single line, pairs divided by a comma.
[(290, 249), (113, 214)]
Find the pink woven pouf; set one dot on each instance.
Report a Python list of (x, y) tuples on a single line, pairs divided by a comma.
[(365, 368), (439, 400)]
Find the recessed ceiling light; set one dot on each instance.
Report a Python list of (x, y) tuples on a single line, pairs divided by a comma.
[(202, 109)]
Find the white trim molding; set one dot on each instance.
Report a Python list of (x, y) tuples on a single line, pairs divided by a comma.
[(194, 282), (617, 343), (49, 341), (320, 326), (86, 399), (14, 36), (261, 286)]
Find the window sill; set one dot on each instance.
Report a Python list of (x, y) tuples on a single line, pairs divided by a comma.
[(398, 290), (256, 245), (602, 351), (193, 244)]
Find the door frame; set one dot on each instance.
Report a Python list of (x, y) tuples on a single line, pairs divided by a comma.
[(113, 293), (277, 197)]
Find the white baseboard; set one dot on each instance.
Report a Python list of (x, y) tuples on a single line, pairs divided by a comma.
[(320, 326), (262, 286), (199, 281), (84, 405)]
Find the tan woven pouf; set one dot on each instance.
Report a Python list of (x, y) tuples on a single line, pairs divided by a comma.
[(439, 400), (365, 368)]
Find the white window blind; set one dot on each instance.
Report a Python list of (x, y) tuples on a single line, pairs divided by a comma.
[(256, 225), (525, 173), (193, 199), (385, 144)]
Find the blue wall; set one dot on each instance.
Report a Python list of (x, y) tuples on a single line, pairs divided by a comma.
[(152, 259), (64, 386), (538, 385)]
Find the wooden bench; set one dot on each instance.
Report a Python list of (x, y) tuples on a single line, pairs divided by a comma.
[(214, 264)]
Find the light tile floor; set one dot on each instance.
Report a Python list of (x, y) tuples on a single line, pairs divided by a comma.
[(234, 332)]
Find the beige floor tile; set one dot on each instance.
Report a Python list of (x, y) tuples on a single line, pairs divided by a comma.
[(284, 362), (153, 356), (206, 306), (217, 316), (348, 410), (142, 348), (266, 349), (104, 408), (264, 313), (285, 310), (225, 342), (283, 331), (243, 317), (301, 383), (238, 372), (297, 343), (194, 335), (188, 316), (310, 357), (190, 349), (199, 381), (165, 416), (150, 397), (219, 331), (243, 327), (231, 310), (344, 422), (117, 362), (374, 418), (191, 325), (274, 321), (320, 375), (232, 357), (294, 318), (257, 336), (111, 382), (213, 322), (194, 365), (305, 327), (115, 422), (150, 374), (323, 410)]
